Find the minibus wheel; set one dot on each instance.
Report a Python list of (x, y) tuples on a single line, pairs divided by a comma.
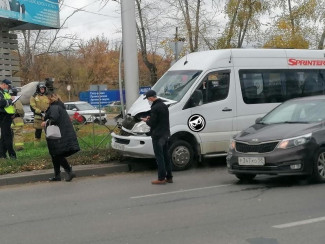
[(181, 155)]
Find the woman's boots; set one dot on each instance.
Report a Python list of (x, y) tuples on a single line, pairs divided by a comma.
[(57, 176), (70, 174)]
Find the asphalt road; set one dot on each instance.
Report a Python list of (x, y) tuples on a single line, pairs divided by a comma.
[(203, 205)]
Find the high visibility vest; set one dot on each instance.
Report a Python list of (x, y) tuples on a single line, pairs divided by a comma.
[(9, 109)]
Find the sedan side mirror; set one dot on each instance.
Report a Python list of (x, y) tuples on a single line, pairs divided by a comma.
[(258, 120)]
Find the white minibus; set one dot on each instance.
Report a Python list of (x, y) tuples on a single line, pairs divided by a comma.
[(213, 95)]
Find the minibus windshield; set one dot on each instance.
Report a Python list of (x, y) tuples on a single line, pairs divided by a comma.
[(174, 84)]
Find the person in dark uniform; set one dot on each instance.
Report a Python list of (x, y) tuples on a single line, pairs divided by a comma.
[(7, 111), (160, 132)]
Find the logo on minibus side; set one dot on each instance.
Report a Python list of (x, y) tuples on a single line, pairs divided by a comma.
[(196, 122), (305, 62)]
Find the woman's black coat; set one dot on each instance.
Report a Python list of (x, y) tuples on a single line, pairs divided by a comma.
[(68, 143)]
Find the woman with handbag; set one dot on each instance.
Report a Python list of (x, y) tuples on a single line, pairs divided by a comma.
[(67, 144)]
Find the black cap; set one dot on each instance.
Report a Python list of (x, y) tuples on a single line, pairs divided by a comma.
[(7, 82), (150, 93)]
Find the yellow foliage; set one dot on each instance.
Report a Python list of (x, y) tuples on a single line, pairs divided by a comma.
[(283, 25), (282, 41)]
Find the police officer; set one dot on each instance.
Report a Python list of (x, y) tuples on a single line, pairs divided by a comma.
[(18, 122), (39, 103), (7, 111)]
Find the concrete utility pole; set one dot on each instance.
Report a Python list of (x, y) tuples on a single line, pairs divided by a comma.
[(130, 54)]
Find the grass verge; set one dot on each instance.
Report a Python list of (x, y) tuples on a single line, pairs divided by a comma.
[(94, 141)]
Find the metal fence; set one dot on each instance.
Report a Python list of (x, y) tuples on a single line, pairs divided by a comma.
[(91, 131)]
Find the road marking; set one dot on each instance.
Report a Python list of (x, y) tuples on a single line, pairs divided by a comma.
[(302, 222), (180, 191)]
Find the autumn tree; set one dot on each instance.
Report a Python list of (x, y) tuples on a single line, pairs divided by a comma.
[(243, 21), (98, 64), (187, 15), (36, 43), (143, 31), (294, 28), (319, 24)]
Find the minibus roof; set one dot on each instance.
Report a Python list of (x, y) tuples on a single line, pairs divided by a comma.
[(224, 57)]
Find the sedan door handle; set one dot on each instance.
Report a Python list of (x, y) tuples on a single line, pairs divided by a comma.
[(227, 109)]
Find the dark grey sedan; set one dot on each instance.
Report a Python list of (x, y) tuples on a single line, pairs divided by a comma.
[(289, 140)]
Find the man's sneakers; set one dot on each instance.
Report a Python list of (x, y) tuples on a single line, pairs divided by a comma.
[(162, 182)]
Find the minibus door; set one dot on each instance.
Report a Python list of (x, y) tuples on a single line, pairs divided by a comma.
[(213, 111)]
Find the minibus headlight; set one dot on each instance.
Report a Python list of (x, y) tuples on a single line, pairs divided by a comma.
[(232, 144), (294, 142), (141, 127)]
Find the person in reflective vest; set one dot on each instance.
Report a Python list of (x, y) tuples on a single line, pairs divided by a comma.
[(39, 103), (18, 122), (7, 111)]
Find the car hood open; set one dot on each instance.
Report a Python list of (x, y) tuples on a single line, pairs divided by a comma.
[(142, 105)]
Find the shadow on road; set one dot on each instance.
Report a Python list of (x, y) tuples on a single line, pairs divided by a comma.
[(278, 181), (149, 164), (218, 162)]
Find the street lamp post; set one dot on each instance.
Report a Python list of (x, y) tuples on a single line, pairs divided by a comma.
[(177, 45)]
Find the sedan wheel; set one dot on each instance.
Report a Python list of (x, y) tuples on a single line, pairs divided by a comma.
[(319, 166)]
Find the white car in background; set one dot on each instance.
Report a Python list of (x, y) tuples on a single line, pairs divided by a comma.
[(29, 115), (88, 112)]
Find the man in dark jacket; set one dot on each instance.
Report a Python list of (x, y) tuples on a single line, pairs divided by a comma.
[(7, 111), (160, 132)]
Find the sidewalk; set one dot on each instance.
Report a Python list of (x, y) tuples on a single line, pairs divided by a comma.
[(80, 170)]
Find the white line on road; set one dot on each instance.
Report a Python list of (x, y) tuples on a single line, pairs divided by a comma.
[(302, 222), (180, 191)]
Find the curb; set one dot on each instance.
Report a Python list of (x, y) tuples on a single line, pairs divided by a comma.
[(80, 170)]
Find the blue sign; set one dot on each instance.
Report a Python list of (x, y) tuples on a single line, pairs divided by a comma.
[(105, 97), (40, 12)]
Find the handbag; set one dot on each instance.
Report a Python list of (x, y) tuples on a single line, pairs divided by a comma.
[(53, 132)]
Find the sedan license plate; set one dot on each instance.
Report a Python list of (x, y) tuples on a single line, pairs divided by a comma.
[(251, 161)]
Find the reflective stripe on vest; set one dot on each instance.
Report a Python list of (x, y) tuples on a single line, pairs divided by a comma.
[(9, 109)]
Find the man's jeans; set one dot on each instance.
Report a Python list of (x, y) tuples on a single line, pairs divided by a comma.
[(160, 148)]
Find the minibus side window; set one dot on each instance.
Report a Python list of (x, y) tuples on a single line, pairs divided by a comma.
[(313, 84), (214, 87), (275, 86)]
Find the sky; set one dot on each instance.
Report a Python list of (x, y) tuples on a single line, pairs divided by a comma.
[(95, 20)]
